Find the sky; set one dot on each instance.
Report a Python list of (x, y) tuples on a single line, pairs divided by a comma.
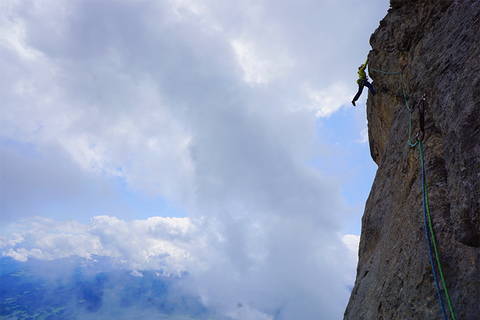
[(209, 137)]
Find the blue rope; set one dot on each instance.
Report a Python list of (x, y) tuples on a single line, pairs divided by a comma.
[(427, 233)]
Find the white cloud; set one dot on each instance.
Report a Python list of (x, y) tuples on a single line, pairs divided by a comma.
[(258, 69), (136, 273), (12, 36), (191, 6), (251, 278), (351, 241), (327, 101), (363, 136), (155, 243), (245, 312), (149, 93)]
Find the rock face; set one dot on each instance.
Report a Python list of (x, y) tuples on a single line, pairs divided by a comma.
[(436, 46)]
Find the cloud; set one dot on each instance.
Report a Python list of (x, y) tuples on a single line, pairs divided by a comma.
[(327, 101), (256, 69), (32, 182), (125, 96), (259, 280), (363, 136), (202, 104), (13, 38), (156, 243), (352, 242)]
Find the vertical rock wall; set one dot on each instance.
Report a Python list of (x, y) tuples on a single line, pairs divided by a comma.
[(436, 44)]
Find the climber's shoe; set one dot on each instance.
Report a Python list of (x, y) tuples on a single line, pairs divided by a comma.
[(353, 102)]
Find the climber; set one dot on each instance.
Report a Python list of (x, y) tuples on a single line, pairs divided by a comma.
[(362, 82)]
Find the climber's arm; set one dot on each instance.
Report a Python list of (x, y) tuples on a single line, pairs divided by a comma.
[(364, 66)]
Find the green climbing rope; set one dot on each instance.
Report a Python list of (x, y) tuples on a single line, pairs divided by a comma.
[(429, 230), (432, 231)]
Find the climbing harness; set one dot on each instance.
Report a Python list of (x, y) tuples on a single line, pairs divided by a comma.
[(434, 254)]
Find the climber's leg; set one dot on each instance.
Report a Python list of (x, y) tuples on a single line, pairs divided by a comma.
[(360, 89), (370, 87)]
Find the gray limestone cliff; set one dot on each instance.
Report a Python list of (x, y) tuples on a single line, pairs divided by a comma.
[(436, 45)]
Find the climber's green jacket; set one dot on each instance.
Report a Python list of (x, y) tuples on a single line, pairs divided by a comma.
[(362, 75)]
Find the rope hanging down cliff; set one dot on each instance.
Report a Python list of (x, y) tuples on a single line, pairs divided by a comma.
[(434, 255)]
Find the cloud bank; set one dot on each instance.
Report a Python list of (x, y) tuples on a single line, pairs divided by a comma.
[(209, 105), (263, 278)]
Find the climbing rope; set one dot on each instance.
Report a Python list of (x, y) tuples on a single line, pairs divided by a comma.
[(432, 238), (428, 232), (434, 254)]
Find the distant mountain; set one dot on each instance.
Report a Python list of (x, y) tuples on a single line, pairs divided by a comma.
[(75, 288)]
